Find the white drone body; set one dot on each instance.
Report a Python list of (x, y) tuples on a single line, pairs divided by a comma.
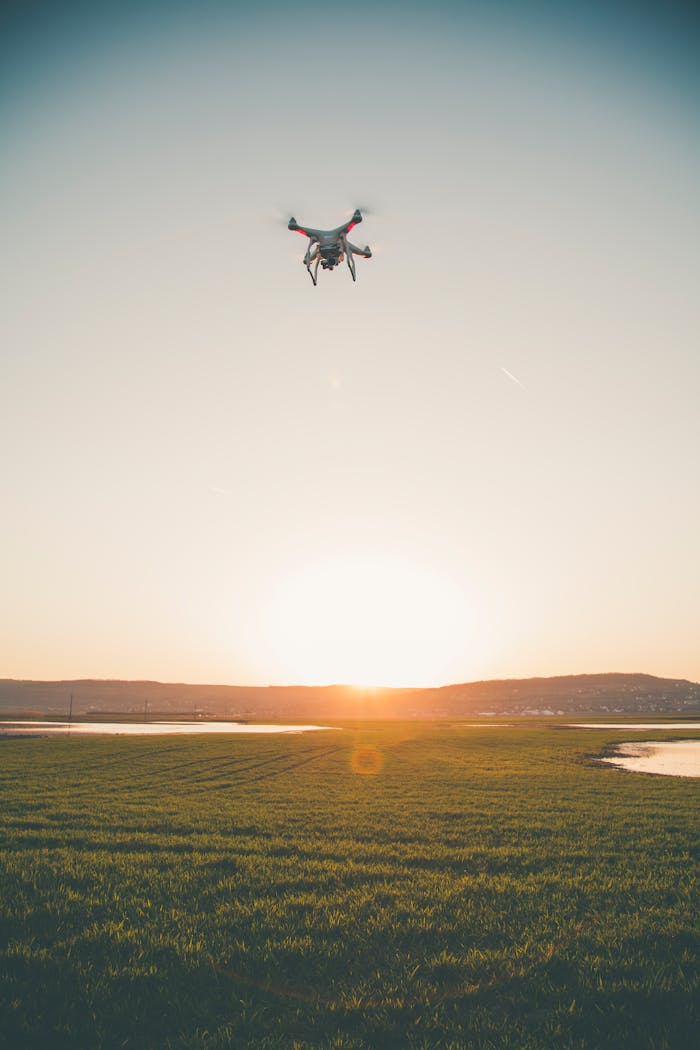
[(330, 247)]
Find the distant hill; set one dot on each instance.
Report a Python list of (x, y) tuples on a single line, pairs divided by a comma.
[(567, 695)]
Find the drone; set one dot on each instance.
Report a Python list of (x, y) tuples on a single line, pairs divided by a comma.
[(329, 247)]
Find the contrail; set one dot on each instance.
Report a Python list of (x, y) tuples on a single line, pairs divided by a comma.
[(511, 376)]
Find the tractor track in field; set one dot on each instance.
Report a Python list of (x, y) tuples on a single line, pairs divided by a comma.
[(181, 775), (218, 785), (234, 766), (97, 764)]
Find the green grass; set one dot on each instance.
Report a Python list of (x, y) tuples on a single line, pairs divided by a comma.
[(482, 887)]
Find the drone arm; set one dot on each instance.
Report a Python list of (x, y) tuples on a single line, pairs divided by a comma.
[(355, 221), (354, 250), (306, 231)]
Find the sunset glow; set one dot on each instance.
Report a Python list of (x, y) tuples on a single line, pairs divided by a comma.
[(366, 621)]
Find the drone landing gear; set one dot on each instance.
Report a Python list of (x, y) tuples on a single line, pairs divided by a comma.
[(343, 250), (312, 255), (351, 261)]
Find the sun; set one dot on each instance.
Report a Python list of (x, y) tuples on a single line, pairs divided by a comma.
[(366, 621)]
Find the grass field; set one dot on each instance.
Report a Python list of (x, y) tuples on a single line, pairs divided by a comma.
[(382, 886)]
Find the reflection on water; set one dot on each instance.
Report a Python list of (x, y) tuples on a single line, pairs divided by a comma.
[(33, 728), (634, 725), (675, 758)]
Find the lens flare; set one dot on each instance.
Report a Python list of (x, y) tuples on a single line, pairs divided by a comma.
[(366, 761)]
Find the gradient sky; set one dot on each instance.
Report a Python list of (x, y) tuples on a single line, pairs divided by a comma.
[(480, 460)]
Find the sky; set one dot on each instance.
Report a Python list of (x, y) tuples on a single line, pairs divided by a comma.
[(478, 461)]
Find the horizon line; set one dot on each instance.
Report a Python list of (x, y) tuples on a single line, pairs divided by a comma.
[(350, 685)]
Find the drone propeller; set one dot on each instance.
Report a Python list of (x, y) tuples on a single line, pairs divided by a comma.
[(280, 216), (366, 210)]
